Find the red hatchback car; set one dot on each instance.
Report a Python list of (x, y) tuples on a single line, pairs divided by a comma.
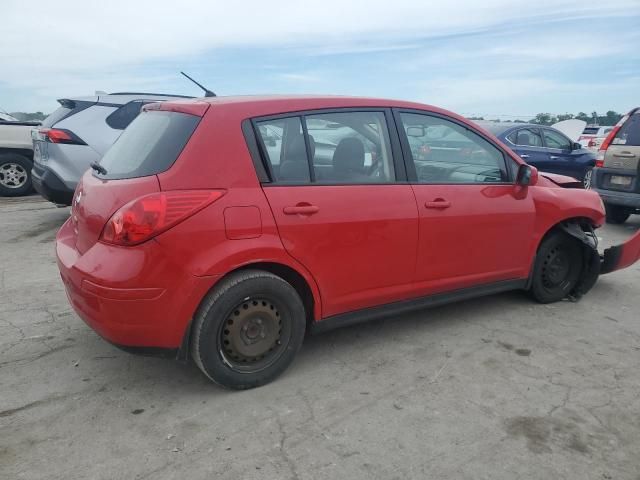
[(226, 228)]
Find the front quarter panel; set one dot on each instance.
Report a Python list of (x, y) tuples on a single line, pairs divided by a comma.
[(555, 204)]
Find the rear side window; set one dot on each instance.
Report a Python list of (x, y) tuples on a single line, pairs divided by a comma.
[(123, 116), (150, 145), (285, 149), (336, 148), (629, 134), (526, 137)]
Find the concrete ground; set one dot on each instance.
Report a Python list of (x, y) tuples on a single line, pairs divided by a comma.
[(495, 388)]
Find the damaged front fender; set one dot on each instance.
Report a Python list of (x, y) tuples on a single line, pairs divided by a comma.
[(621, 256), (592, 263)]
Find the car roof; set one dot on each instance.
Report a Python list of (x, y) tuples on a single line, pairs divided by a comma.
[(498, 128), (264, 105)]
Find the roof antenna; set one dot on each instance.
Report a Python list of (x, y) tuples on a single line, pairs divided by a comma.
[(207, 92)]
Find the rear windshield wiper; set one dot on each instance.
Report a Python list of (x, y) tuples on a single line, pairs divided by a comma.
[(98, 168)]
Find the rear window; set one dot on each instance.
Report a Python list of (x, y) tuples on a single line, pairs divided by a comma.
[(67, 108), (150, 145), (629, 134), (590, 130)]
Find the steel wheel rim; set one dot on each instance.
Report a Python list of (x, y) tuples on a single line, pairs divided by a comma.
[(556, 268), (254, 334), (13, 175)]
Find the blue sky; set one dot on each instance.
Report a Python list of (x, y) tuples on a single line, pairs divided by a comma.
[(490, 58)]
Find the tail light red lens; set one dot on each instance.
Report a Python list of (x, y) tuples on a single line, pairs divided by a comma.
[(59, 135), (607, 141), (148, 216)]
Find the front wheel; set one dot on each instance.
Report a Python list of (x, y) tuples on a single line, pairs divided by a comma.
[(616, 214), (15, 175), (557, 269), (248, 329)]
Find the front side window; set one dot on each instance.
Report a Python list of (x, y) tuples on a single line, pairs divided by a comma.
[(555, 140), (526, 137), (446, 152)]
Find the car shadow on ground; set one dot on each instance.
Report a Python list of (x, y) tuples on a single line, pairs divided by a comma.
[(125, 371)]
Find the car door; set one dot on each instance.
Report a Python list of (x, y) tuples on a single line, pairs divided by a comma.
[(527, 143), (562, 159), (475, 223), (341, 207)]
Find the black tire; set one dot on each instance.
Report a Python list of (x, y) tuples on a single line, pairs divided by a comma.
[(616, 214), (15, 175), (248, 329), (557, 269)]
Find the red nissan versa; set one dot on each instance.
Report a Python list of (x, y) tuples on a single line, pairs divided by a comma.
[(226, 228)]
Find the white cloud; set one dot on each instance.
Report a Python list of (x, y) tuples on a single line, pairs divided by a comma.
[(71, 47)]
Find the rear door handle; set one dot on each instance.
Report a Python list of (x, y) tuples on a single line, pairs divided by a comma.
[(524, 155), (301, 210), (624, 155), (553, 157), (438, 203)]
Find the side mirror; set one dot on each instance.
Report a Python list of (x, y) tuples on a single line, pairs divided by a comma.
[(527, 175), (576, 146), (416, 132)]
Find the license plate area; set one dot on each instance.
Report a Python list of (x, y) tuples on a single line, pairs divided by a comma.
[(620, 180)]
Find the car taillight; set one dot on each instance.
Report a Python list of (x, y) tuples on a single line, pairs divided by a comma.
[(592, 143), (147, 216), (60, 135)]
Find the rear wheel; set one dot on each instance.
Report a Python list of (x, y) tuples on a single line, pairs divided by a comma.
[(557, 269), (248, 329), (616, 214), (15, 175)]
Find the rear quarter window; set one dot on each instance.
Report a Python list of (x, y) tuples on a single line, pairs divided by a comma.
[(150, 145), (629, 134)]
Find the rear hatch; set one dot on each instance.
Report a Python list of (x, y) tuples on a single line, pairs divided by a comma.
[(623, 153), (150, 145)]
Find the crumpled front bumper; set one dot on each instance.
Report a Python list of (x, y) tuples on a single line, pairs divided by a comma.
[(621, 256)]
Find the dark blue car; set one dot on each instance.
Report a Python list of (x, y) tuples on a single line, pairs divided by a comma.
[(545, 148)]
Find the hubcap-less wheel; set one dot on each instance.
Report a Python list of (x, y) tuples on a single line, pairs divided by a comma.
[(556, 268), (253, 335), (586, 182), (13, 175)]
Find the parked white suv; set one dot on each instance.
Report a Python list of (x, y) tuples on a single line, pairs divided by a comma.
[(78, 134), (16, 154)]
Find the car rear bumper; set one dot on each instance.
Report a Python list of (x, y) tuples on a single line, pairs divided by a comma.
[(621, 256), (133, 297), (616, 196), (49, 185)]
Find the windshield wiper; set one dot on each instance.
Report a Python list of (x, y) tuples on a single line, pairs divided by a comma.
[(98, 168)]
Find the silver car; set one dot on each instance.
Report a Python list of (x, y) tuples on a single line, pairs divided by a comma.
[(79, 133)]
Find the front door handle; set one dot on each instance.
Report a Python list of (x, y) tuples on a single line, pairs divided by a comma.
[(524, 155), (301, 209), (438, 203), (553, 157)]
